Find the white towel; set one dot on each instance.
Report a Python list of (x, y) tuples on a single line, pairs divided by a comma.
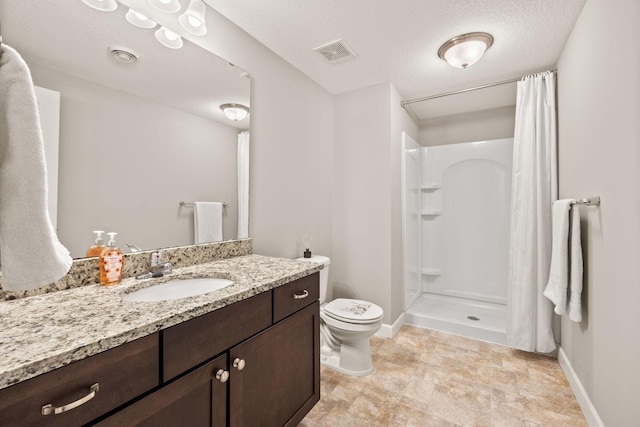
[(207, 219), (30, 253), (575, 273), (566, 260)]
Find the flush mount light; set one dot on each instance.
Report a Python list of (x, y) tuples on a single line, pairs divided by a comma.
[(139, 20), (103, 5), (169, 38), (235, 112), (192, 19), (466, 49), (169, 6)]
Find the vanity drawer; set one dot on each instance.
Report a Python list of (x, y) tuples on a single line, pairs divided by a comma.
[(113, 371), (293, 296), (197, 340)]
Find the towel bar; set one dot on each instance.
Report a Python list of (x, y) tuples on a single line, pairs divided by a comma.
[(590, 201), (190, 204)]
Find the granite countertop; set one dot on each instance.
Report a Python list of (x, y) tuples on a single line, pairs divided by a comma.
[(44, 332)]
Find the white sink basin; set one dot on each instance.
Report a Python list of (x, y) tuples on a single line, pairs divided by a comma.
[(177, 289)]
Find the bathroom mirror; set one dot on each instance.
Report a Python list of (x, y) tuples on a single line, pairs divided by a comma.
[(136, 138)]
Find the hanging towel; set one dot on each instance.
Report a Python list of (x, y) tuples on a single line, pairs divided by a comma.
[(565, 275), (207, 218), (575, 273), (31, 255)]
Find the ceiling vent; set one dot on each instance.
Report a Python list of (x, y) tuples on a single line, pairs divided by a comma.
[(335, 51), (124, 54)]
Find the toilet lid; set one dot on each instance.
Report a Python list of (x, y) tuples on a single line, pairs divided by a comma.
[(353, 310)]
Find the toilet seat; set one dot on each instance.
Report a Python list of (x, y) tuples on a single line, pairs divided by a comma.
[(353, 311)]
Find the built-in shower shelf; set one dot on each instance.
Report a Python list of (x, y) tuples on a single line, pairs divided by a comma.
[(431, 213), (432, 272)]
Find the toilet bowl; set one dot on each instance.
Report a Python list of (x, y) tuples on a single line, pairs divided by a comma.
[(345, 328)]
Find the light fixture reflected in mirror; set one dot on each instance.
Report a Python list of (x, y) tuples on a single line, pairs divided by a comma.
[(169, 6), (192, 19), (103, 5), (235, 112), (169, 38), (466, 49), (139, 20)]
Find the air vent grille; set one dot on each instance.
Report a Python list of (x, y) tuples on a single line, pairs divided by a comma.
[(124, 54), (335, 51)]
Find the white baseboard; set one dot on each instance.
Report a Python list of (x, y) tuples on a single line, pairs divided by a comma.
[(390, 331), (590, 413)]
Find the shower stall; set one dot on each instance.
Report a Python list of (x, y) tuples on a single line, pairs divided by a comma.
[(456, 204)]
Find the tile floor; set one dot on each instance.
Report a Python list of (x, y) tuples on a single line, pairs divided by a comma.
[(428, 378)]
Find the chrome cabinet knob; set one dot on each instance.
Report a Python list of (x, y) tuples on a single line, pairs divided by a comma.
[(222, 375), (238, 363)]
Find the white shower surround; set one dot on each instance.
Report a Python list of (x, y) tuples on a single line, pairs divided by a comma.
[(456, 236)]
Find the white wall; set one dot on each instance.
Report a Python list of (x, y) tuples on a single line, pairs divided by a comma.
[(599, 153), (483, 125), (125, 162), (367, 221), (291, 146)]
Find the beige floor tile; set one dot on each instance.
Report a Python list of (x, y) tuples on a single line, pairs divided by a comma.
[(428, 378)]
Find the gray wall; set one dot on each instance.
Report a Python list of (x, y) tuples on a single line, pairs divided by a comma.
[(367, 221), (599, 153), (494, 123), (291, 146), (125, 162)]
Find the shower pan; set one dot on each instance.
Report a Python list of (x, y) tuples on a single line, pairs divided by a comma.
[(456, 203)]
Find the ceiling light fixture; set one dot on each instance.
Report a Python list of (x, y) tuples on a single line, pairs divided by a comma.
[(169, 38), (192, 19), (169, 6), (235, 112), (103, 5), (139, 20), (466, 49)]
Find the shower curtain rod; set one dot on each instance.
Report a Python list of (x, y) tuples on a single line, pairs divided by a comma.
[(455, 92)]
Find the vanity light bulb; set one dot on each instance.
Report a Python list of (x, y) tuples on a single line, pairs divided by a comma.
[(193, 21), (139, 20), (102, 5), (170, 35), (168, 38)]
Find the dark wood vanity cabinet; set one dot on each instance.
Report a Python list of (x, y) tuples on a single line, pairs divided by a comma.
[(252, 363), (195, 399), (280, 380), (122, 374)]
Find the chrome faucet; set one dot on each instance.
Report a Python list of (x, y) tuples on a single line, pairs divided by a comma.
[(157, 268)]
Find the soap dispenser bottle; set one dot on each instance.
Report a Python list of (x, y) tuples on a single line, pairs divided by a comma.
[(111, 262), (98, 245)]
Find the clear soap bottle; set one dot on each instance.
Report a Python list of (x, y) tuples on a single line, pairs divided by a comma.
[(111, 262), (98, 245)]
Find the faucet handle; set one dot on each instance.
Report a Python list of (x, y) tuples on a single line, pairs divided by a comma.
[(155, 259)]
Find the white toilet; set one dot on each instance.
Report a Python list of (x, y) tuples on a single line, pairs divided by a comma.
[(345, 328)]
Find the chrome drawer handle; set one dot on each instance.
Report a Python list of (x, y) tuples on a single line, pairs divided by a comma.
[(49, 409), (304, 294)]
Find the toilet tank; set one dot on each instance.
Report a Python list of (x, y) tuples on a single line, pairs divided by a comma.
[(324, 273)]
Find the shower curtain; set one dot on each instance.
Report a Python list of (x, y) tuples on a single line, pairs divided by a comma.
[(243, 185), (534, 188)]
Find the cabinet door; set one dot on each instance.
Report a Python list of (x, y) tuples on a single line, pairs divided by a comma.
[(280, 379), (195, 399)]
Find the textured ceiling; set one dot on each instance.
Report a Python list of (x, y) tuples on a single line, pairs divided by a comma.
[(71, 37), (397, 41)]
